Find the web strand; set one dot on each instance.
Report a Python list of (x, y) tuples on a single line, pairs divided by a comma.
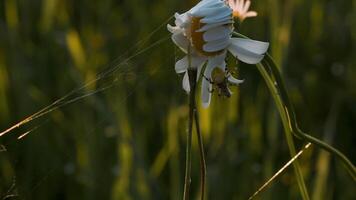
[(10, 192), (267, 183), (2, 148), (65, 100)]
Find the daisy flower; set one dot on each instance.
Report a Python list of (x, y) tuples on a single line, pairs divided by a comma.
[(206, 30), (240, 9)]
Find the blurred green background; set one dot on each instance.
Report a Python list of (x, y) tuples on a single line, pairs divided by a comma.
[(123, 136)]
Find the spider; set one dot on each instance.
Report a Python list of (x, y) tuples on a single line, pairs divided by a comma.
[(219, 80)]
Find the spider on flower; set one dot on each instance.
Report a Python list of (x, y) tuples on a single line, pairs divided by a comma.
[(220, 81)]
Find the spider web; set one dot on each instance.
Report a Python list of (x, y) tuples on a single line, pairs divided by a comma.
[(109, 76), (116, 67)]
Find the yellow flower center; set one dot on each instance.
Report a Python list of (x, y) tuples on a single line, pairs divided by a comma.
[(236, 14), (197, 38)]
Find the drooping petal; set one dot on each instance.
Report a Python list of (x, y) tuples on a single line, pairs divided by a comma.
[(216, 18), (198, 61), (183, 64), (214, 14), (210, 26), (212, 11), (216, 45), (207, 72), (205, 4), (248, 51), (181, 41), (174, 29), (245, 55), (206, 89), (171, 28), (181, 19), (217, 33), (254, 46), (234, 80), (178, 20), (185, 82), (217, 61)]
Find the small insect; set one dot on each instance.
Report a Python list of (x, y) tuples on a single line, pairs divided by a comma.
[(219, 79)]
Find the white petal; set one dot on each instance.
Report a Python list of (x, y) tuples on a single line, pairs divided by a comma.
[(210, 26), (222, 65), (206, 4), (181, 41), (182, 20), (174, 29), (185, 82), (253, 46), (245, 55), (217, 61), (217, 33), (236, 6), (213, 11), (251, 14), (213, 3), (216, 18), (198, 61), (214, 15), (171, 28), (240, 5), (178, 20), (206, 88), (216, 45), (232, 4), (233, 80), (247, 6), (183, 64)]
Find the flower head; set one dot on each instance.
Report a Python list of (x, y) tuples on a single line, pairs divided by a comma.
[(240, 9), (205, 33)]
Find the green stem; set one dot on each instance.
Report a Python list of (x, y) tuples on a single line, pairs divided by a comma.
[(287, 130), (281, 93), (289, 135), (188, 156), (202, 155), (289, 109)]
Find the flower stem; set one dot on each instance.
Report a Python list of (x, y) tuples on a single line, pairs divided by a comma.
[(289, 109), (193, 113), (287, 130), (289, 136), (192, 82), (202, 155), (279, 90)]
